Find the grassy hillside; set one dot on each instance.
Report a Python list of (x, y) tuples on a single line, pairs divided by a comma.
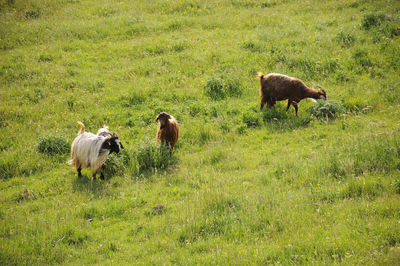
[(243, 186)]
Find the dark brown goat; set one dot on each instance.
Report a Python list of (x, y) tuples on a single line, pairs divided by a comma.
[(168, 129), (278, 87)]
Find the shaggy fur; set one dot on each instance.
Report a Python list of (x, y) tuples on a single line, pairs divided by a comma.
[(168, 129), (278, 87), (90, 150)]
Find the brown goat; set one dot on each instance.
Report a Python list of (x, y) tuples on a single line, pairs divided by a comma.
[(168, 129), (278, 87)]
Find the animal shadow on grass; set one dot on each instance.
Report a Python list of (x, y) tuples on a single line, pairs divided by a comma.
[(85, 184), (279, 119)]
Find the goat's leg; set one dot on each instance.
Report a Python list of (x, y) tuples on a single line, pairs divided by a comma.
[(288, 104), (103, 168), (94, 174), (295, 106), (261, 105), (263, 101), (79, 171), (271, 102)]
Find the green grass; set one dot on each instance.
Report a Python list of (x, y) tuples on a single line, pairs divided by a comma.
[(242, 186)]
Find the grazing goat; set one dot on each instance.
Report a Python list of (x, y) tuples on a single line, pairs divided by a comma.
[(278, 87), (168, 129), (90, 150)]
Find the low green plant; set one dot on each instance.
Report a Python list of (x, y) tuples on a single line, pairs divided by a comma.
[(219, 88), (151, 156), (372, 20), (53, 144), (252, 119), (326, 109), (116, 164), (346, 39)]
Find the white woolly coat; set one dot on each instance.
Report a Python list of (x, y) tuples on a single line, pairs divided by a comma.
[(86, 151)]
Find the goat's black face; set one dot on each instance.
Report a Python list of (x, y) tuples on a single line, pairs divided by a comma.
[(112, 145), (117, 140)]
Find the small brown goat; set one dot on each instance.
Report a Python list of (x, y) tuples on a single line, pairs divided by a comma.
[(168, 129), (278, 87)]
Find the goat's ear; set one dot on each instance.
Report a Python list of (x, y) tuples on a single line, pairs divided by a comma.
[(107, 139)]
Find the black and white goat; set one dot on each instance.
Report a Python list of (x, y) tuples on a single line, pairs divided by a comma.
[(90, 150)]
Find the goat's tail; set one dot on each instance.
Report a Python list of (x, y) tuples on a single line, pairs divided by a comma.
[(260, 75), (82, 129)]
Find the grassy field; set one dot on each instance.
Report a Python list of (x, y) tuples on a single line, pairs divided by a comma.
[(243, 186)]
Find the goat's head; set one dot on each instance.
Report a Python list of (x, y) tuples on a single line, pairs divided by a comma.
[(117, 140), (322, 93), (163, 118), (111, 143)]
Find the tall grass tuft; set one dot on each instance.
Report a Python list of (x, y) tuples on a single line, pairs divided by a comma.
[(151, 157), (326, 109), (252, 119), (53, 144), (372, 20), (219, 88), (116, 164)]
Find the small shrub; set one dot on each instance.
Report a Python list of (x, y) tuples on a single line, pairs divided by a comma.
[(215, 88), (346, 39), (326, 109), (361, 57), (151, 156), (252, 119), (218, 88), (53, 144), (372, 20), (115, 164)]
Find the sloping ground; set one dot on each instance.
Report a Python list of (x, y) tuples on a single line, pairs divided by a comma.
[(243, 186)]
